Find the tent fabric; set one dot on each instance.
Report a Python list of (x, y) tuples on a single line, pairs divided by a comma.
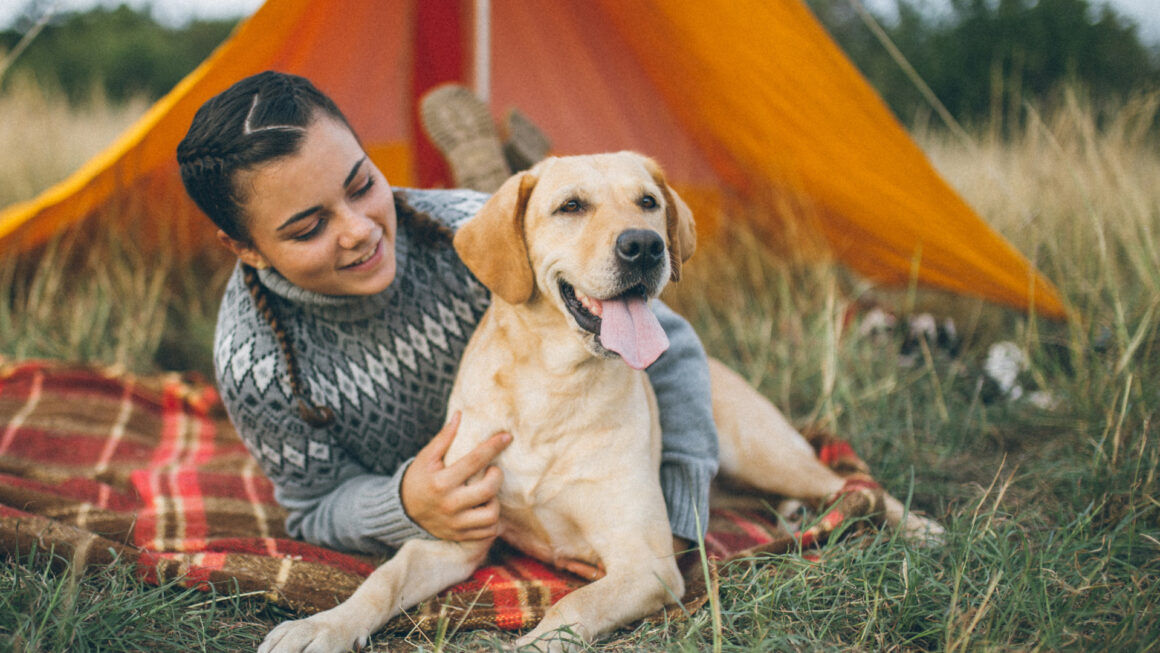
[(745, 97)]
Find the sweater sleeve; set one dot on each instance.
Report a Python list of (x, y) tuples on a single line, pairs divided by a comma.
[(680, 379), (347, 508), (362, 513)]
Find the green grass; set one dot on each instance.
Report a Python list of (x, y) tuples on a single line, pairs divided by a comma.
[(1053, 515), (45, 607)]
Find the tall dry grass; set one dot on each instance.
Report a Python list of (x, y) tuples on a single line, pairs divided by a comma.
[(93, 294), (44, 138), (1076, 190)]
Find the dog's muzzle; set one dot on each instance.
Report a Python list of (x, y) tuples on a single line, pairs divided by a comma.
[(623, 323)]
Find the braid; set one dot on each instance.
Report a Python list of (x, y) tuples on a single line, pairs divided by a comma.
[(317, 416), (205, 168), (426, 228)]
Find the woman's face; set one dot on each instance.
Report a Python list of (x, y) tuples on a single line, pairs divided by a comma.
[(324, 218)]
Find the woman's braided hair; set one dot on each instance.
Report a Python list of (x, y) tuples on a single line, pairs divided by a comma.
[(316, 415), (257, 120)]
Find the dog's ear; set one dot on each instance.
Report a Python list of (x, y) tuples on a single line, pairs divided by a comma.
[(492, 243), (682, 232)]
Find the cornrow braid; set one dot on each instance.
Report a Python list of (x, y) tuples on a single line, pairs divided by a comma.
[(207, 168), (315, 415)]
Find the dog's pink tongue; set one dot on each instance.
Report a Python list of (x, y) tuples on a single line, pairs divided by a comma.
[(629, 328)]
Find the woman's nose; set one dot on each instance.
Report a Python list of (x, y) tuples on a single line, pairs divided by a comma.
[(354, 229)]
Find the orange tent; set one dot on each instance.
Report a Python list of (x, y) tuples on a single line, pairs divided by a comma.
[(742, 96)]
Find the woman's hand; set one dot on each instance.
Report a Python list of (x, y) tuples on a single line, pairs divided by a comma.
[(441, 500)]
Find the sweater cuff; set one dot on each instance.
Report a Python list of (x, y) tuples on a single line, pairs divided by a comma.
[(686, 490), (387, 521)]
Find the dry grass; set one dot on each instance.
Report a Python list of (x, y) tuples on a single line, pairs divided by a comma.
[(94, 294), (45, 139), (1078, 196)]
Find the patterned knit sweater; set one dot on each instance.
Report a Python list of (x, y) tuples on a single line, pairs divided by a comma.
[(385, 364)]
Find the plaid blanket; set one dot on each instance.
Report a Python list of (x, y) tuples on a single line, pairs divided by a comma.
[(98, 465)]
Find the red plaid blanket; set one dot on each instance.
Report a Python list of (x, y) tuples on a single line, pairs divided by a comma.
[(96, 464)]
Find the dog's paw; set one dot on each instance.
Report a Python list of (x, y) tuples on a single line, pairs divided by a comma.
[(315, 634), (544, 638), (923, 531)]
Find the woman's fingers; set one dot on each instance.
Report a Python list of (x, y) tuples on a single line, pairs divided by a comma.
[(478, 522), (438, 446), (476, 492), (458, 501), (477, 459)]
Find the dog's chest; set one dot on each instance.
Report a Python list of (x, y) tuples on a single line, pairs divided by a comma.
[(582, 469), (557, 505), (533, 497)]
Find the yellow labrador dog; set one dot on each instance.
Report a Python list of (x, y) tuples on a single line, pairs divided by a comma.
[(572, 251)]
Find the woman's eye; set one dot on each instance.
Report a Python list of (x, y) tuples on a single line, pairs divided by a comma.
[(311, 232), (365, 188), (648, 202)]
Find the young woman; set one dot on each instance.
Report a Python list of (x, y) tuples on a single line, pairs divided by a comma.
[(341, 329)]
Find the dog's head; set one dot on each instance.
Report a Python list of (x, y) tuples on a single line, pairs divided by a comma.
[(594, 236)]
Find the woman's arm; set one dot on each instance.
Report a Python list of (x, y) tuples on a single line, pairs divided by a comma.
[(680, 379), (372, 513), (360, 512)]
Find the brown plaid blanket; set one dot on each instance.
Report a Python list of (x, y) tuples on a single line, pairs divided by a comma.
[(97, 465)]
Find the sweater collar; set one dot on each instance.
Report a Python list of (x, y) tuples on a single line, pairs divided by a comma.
[(341, 308)]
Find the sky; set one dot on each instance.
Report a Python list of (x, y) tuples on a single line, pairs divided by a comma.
[(171, 12), (1146, 13), (175, 12)]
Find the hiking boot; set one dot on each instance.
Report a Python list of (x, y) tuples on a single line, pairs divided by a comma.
[(460, 125), (526, 145)]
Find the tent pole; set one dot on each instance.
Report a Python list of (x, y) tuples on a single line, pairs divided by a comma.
[(483, 49)]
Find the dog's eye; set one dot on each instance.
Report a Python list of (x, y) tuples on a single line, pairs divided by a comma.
[(648, 202), (571, 206)]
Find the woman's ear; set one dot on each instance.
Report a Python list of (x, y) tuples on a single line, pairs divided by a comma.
[(245, 253)]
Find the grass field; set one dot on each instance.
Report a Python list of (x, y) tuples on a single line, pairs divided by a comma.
[(1052, 512)]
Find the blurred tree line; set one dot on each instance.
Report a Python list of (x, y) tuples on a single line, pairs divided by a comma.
[(122, 53), (986, 59)]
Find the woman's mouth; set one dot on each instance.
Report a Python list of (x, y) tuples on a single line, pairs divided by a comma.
[(368, 259)]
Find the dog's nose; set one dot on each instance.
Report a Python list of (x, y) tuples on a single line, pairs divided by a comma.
[(642, 247)]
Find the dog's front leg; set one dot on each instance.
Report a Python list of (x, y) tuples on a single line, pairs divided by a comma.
[(628, 592), (419, 570)]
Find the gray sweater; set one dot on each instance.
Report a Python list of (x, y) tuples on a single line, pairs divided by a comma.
[(385, 365)]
